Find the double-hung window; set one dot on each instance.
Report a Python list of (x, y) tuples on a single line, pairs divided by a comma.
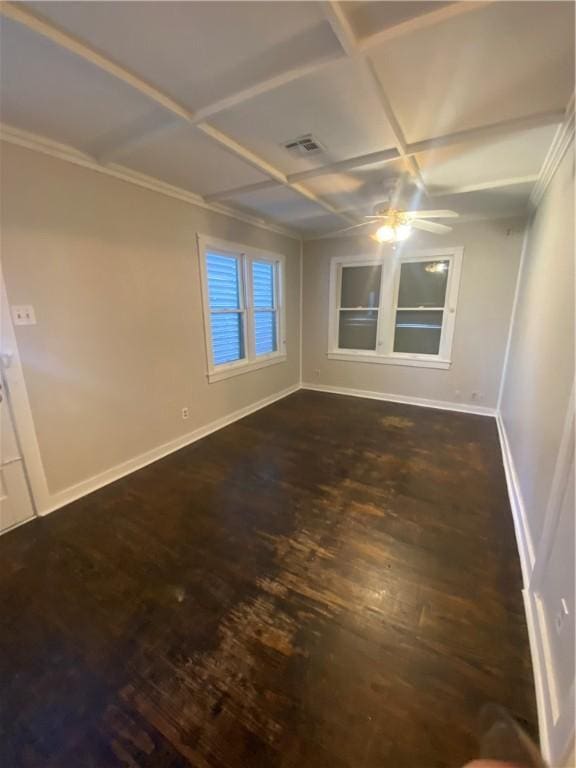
[(395, 308), (242, 290)]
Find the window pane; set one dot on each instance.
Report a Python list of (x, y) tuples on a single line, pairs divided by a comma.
[(227, 338), (418, 332), (357, 330), (223, 281), (263, 283), (423, 283), (265, 332), (360, 286)]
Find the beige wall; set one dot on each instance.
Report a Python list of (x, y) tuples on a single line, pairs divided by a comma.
[(112, 272), (489, 271), (541, 363)]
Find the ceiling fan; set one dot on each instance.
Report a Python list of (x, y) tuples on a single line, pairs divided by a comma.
[(397, 224)]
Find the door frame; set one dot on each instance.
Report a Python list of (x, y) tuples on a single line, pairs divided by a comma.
[(19, 404)]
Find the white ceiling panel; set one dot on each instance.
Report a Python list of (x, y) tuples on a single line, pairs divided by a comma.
[(319, 225), (184, 157), (46, 90), (506, 60), (338, 105), (505, 201), (517, 155), (280, 203), (199, 52)]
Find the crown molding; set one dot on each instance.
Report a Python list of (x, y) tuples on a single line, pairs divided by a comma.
[(560, 144), (19, 137)]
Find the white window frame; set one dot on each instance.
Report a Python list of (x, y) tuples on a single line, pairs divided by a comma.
[(390, 264), (246, 255)]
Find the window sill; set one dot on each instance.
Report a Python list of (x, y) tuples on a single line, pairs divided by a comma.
[(413, 361), (237, 369)]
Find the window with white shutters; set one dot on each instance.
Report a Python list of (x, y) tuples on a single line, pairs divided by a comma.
[(243, 308)]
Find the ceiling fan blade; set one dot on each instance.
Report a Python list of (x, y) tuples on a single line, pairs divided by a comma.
[(432, 214), (430, 226)]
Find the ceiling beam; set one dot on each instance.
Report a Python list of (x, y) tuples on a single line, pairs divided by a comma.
[(350, 44), (258, 186), (231, 145), (216, 107), (423, 21), (341, 27), (72, 44), (482, 186), (479, 133), (352, 48), (488, 131), (400, 140), (235, 148)]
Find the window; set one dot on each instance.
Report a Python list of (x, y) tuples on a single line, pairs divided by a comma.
[(243, 307), (265, 309), (395, 309)]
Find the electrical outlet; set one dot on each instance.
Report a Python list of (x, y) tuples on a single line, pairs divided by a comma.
[(317, 372), (23, 314), (561, 615), (185, 413)]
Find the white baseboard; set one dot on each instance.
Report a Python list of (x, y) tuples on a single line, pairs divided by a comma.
[(479, 410), (61, 498), (523, 537)]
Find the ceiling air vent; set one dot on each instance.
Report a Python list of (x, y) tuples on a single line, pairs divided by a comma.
[(304, 145)]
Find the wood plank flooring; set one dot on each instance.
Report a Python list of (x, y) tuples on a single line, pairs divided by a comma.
[(330, 582)]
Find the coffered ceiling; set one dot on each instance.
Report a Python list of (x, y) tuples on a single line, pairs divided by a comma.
[(461, 100)]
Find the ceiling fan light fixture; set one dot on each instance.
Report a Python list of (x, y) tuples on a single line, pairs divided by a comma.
[(385, 234), (393, 233)]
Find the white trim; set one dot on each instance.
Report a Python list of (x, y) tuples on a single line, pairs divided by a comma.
[(519, 276), (560, 144), (413, 361), (556, 728), (66, 496), (542, 673), (17, 525), (68, 154), (443, 405), (245, 366), (521, 528), (562, 469)]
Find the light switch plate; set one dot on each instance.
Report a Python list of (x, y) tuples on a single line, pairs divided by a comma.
[(23, 314)]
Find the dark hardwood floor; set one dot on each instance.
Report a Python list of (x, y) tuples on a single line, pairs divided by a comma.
[(330, 582)]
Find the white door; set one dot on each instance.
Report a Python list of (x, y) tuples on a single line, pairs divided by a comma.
[(15, 500)]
